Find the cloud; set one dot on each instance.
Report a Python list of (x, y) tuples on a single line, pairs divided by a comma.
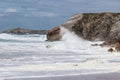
[(10, 10), (56, 11), (40, 14)]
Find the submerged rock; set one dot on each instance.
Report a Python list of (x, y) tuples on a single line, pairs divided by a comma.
[(94, 44), (24, 31)]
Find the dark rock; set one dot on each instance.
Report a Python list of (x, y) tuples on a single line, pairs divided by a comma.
[(110, 50), (24, 31), (95, 44)]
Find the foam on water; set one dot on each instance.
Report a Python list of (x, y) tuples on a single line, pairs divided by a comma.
[(32, 56), (23, 38), (69, 41)]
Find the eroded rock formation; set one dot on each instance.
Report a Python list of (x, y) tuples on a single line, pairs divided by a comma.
[(98, 26), (92, 26)]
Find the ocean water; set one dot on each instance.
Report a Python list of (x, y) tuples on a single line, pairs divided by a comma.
[(23, 56)]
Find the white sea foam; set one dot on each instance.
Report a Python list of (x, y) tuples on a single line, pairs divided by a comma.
[(33, 37), (70, 41), (71, 55)]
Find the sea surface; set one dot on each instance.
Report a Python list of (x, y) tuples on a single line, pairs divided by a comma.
[(23, 56)]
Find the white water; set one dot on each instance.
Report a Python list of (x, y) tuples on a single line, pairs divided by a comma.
[(30, 56)]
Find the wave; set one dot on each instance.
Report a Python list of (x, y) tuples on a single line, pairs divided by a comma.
[(53, 58), (21, 38), (69, 41)]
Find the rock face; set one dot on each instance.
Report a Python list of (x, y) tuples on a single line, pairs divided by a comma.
[(24, 31), (93, 26), (98, 26)]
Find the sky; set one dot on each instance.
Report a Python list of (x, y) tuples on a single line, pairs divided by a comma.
[(46, 14)]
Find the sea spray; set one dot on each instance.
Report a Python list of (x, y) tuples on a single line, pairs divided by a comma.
[(69, 40)]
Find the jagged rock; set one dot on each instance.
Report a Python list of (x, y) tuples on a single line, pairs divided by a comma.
[(93, 26), (97, 26), (24, 31)]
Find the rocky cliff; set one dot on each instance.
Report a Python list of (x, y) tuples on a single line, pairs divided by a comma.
[(24, 31), (98, 26), (91, 26)]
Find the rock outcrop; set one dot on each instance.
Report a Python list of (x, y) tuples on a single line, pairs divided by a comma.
[(54, 34), (110, 50), (24, 31), (92, 26), (98, 26)]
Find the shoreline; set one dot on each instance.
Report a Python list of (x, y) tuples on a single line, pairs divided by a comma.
[(103, 76)]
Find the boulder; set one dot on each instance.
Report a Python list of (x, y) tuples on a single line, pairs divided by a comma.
[(110, 50), (54, 34)]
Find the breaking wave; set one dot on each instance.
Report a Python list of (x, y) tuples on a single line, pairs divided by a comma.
[(31, 56)]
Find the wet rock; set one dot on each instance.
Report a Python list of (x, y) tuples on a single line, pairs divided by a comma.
[(95, 44), (54, 34), (106, 43), (117, 47), (110, 50)]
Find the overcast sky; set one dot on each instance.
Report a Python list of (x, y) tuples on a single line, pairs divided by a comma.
[(45, 14)]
